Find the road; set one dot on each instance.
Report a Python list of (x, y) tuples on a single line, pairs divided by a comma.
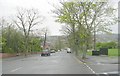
[(57, 63)]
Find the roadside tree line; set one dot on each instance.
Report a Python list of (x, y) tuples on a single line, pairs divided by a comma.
[(82, 21)]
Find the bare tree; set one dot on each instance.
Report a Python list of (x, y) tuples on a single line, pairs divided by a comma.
[(26, 19)]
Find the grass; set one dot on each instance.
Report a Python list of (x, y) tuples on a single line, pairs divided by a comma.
[(111, 52), (89, 53)]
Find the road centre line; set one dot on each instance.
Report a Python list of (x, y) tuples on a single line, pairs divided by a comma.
[(16, 69)]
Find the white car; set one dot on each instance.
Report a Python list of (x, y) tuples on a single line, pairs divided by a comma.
[(52, 51), (68, 50), (58, 50)]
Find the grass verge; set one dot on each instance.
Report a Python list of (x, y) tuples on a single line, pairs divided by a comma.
[(111, 52)]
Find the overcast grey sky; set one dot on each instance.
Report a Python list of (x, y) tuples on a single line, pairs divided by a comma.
[(8, 8)]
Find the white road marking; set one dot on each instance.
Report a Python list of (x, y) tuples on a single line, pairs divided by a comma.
[(100, 63), (16, 69), (113, 72), (85, 65), (90, 68), (105, 73)]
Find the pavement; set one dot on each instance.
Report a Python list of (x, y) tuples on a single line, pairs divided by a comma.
[(59, 63), (103, 59), (101, 64)]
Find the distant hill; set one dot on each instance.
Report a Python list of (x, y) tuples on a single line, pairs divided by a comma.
[(99, 38), (107, 37)]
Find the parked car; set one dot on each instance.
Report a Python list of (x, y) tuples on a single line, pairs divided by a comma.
[(52, 51), (45, 53), (68, 50)]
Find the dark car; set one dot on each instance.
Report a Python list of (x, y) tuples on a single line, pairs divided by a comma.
[(45, 53)]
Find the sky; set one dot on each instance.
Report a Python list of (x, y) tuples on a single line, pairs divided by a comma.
[(8, 9)]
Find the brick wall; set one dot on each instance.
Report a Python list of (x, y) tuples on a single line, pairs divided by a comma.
[(6, 55)]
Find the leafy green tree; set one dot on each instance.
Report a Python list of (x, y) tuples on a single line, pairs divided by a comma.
[(83, 19), (35, 44), (11, 40)]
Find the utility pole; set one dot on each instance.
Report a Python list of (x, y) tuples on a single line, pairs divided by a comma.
[(45, 40)]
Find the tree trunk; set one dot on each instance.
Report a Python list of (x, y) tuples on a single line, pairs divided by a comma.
[(84, 52), (94, 39), (26, 45)]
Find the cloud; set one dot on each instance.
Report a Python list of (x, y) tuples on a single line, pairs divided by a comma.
[(8, 8)]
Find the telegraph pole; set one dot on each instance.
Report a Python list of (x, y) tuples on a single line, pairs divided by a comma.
[(45, 40)]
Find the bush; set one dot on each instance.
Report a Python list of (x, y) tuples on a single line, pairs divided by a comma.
[(109, 45), (13, 41)]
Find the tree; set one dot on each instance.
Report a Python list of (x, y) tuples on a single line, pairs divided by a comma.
[(34, 44), (84, 18), (11, 40), (98, 16), (26, 19)]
